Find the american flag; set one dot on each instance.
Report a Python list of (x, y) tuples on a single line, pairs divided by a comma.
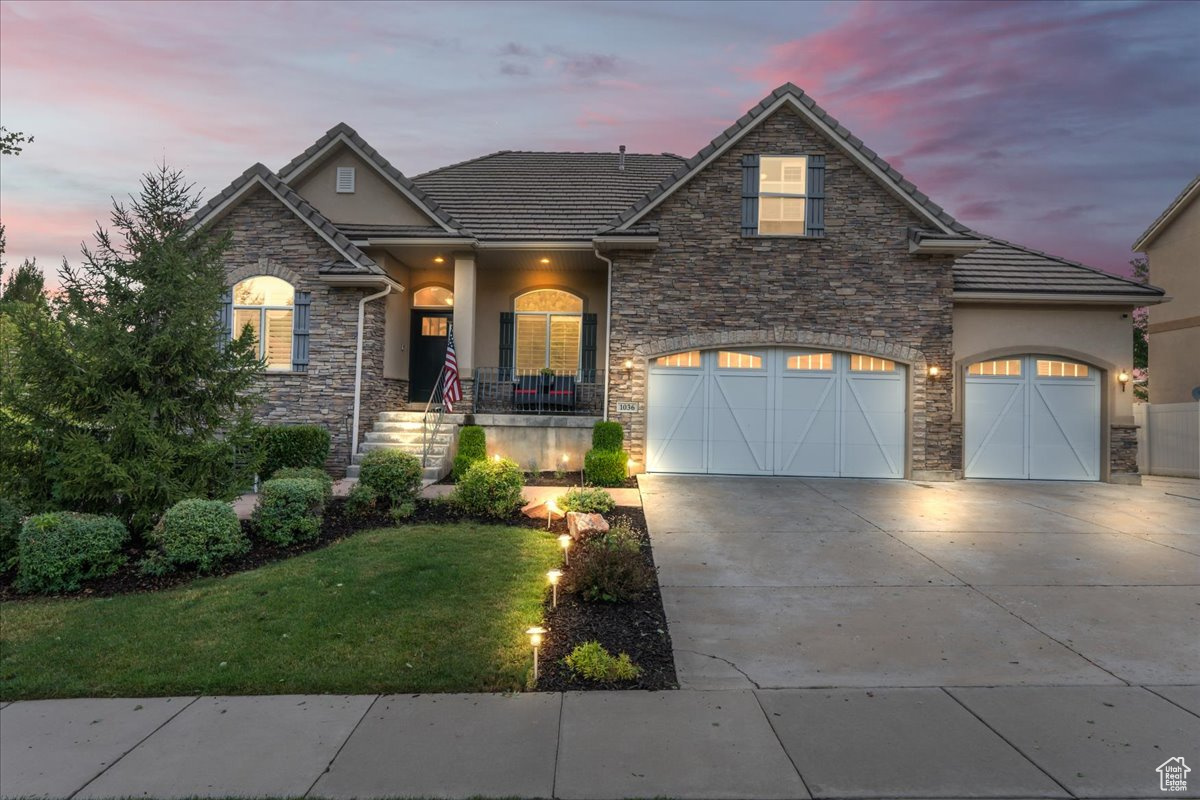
[(451, 387)]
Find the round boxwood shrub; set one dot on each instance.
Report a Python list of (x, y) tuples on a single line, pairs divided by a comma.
[(198, 534), (10, 534), (290, 510), (607, 436), (294, 446), (589, 501), (310, 473), (394, 476), (490, 489), (472, 448), (60, 550), (606, 467)]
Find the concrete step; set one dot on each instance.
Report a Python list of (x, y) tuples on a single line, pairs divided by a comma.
[(409, 437), (418, 416), (431, 474)]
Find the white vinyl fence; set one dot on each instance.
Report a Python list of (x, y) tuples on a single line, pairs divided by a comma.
[(1168, 439)]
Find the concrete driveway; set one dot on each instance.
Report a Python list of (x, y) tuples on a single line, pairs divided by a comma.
[(791, 583)]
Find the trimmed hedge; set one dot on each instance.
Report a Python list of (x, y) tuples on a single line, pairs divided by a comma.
[(472, 448), (394, 476), (290, 510), (606, 467), (589, 501), (607, 436), (198, 534), (60, 550), (310, 473), (294, 446), (10, 534), (491, 488)]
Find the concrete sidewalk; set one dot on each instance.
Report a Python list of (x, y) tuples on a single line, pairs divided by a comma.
[(1011, 742)]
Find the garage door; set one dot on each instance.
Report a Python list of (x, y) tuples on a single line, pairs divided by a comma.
[(776, 412), (1035, 417)]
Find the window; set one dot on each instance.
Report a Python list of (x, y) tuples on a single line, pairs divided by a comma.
[(265, 305), (1005, 366), (782, 195), (433, 297), (727, 359), (688, 359), (435, 326), (345, 180), (811, 361), (1047, 368), (871, 364), (549, 324)]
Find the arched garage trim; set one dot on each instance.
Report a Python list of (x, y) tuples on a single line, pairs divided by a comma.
[(779, 336)]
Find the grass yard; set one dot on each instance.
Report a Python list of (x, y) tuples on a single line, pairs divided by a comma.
[(428, 608)]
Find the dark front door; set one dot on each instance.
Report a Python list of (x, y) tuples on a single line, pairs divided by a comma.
[(430, 330)]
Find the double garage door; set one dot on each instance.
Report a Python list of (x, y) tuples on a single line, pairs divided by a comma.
[(776, 411)]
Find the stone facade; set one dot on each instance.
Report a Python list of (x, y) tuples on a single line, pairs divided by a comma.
[(268, 239), (1122, 451), (856, 289)]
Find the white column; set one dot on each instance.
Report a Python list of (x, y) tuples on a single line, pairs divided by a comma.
[(464, 313)]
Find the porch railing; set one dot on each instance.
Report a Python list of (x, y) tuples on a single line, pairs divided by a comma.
[(502, 390)]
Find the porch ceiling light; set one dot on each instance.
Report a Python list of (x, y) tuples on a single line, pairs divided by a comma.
[(543, 261), (439, 260)]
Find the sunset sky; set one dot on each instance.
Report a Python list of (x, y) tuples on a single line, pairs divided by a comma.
[(1067, 127)]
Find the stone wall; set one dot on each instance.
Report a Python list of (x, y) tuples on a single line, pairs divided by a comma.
[(857, 289), (1122, 452)]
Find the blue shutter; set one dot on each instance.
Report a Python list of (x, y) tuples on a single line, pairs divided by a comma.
[(300, 326), (587, 359), (225, 318), (507, 357), (814, 208), (749, 195)]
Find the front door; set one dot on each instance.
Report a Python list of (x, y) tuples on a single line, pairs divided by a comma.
[(430, 330)]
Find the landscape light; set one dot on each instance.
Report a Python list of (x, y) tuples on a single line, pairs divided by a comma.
[(564, 542), (535, 639), (554, 576)]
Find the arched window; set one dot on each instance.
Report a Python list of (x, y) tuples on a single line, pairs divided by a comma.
[(266, 305), (433, 297), (549, 323)]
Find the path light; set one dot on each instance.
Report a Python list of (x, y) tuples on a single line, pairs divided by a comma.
[(564, 542), (554, 576), (552, 509), (1122, 378), (535, 639)]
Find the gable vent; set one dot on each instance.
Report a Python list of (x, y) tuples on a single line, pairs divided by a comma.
[(345, 180)]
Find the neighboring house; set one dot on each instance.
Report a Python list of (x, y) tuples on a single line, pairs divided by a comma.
[(1172, 247), (784, 302)]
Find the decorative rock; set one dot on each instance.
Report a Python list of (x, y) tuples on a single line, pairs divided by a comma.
[(538, 510), (581, 525)]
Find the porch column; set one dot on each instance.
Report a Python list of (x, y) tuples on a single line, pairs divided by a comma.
[(464, 313)]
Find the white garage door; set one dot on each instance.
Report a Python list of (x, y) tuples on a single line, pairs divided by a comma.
[(1035, 417), (776, 412)]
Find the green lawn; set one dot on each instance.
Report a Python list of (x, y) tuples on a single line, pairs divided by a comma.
[(432, 608)]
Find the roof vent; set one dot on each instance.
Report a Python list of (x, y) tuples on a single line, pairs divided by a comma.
[(345, 180), (621, 159)]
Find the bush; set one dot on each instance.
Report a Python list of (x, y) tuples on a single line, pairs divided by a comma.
[(472, 448), (198, 534), (10, 534), (290, 510), (361, 501), (609, 568), (294, 446), (490, 489), (309, 473), (592, 662), (607, 436), (606, 467), (393, 475), (589, 501), (60, 550)]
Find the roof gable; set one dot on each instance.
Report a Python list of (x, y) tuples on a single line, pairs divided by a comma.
[(1177, 206)]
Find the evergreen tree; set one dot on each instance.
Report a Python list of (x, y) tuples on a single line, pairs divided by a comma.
[(24, 285)]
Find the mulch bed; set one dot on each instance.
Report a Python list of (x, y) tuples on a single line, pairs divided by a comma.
[(565, 479), (638, 628)]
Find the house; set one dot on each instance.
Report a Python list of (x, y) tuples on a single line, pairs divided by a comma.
[(782, 303), (1172, 248)]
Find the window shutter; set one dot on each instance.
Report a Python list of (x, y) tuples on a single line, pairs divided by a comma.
[(749, 195), (506, 343), (814, 209), (587, 356), (345, 180), (225, 317), (300, 326)]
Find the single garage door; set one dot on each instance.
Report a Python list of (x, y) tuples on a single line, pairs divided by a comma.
[(1035, 417), (776, 411)]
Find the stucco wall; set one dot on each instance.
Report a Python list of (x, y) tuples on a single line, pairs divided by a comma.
[(1175, 326), (374, 201)]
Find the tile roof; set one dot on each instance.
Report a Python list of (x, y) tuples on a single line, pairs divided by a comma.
[(356, 231), (1005, 267), (514, 195), (1170, 212)]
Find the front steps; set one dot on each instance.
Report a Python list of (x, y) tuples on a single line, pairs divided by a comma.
[(401, 430)]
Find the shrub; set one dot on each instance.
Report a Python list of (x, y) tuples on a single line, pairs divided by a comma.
[(472, 448), (310, 473), (59, 550), (589, 501), (198, 533), (394, 476), (607, 436), (490, 489), (10, 534), (609, 568), (592, 662), (606, 467), (290, 510), (361, 501), (294, 446)]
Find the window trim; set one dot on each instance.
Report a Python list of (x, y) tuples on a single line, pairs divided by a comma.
[(805, 197), (262, 322), (547, 317)]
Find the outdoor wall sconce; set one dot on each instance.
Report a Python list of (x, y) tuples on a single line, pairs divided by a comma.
[(1122, 378), (564, 542), (535, 638), (554, 576), (628, 364), (934, 372)]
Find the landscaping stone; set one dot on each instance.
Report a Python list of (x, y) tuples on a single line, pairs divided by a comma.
[(538, 510), (582, 525)]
